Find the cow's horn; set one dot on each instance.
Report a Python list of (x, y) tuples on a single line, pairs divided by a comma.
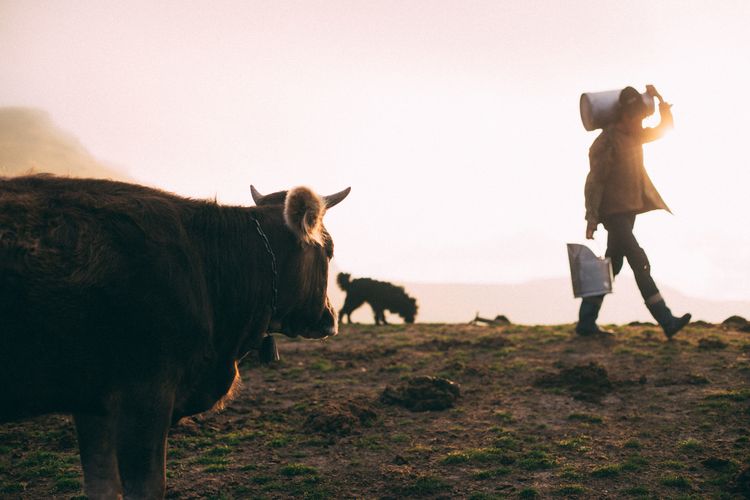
[(335, 199), (257, 197)]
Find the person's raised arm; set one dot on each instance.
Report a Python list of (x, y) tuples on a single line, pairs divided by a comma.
[(666, 121)]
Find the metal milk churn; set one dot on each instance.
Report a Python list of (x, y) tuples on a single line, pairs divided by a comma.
[(599, 109), (591, 275)]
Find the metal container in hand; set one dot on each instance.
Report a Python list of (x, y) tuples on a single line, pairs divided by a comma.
[(591, 275), (599, 109)]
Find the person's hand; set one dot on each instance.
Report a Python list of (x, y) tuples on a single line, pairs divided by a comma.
[(651, 90), (590, 230)]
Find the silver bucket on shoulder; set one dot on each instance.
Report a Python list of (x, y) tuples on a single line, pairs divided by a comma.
[(591, 275), (599, 109)]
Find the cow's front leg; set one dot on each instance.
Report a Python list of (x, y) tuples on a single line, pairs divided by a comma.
[(142, 444), (97, 445)]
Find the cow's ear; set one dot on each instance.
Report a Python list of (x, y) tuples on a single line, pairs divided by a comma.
[(303, 213)]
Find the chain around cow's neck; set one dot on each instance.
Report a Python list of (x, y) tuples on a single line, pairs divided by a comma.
[(273, 264)]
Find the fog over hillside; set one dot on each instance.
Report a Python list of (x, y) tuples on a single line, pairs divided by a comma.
[(30, 142)]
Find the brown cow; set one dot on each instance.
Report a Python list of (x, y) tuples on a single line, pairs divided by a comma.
[(129, 307)]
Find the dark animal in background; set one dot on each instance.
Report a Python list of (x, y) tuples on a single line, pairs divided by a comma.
[(499, 320), (129, 308), (380, 295)]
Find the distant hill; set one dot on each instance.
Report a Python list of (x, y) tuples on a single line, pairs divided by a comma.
[(547, 301), (31, 143)]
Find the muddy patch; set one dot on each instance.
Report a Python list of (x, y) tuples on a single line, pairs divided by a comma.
[(712, 343), (588, 382), (423, 393), (688, 379), (340, 419)]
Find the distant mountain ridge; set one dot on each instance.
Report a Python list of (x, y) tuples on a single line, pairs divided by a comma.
[(31, 143), (548, 301)]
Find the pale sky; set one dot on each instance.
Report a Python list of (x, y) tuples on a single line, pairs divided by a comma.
[(455, 122)]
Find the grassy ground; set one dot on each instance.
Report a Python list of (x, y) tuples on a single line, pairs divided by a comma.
[(668, 420)]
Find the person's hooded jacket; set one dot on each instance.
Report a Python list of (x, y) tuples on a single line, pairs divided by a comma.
[(617, 182)]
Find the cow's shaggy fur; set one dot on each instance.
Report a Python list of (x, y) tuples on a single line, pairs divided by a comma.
[(380, 295)]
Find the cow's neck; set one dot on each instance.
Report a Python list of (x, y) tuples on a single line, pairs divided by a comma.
[(237, 268)]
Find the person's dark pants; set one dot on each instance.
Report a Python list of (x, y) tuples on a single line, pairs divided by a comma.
[(621, 244)]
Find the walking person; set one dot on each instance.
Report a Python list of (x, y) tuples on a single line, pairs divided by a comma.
[(617, 190)]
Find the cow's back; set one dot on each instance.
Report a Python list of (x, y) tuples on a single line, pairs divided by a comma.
[(88, 273)]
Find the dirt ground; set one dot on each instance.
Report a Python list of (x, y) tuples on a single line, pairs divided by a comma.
[(533, 412)]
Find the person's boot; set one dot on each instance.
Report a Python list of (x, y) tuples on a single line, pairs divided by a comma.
[(661, 313), (587, 315)]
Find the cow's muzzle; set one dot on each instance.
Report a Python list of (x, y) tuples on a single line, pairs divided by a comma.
[(326, 326)]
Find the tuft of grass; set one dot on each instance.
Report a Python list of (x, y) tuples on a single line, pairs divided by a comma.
[(537, 460), (730, 395), (673, 464), (571, 474), (636, 491), (242, 491), (690, 445), (426, 485), (675, 481), (292, 470), (204, 460), (528, 493), (397, 368), (400, 438), (575, 444), (639, 353), (192, 443), (487, 496), (632, 443), (634, 463), (506, 443), (280, 441), (503, 416), (607, 470), (219, 451), (67, 484), (217, 467), (478, 455), (569, 490), (370, 443), (322, 365), (237, 437), (586, 418), (44, 464)]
